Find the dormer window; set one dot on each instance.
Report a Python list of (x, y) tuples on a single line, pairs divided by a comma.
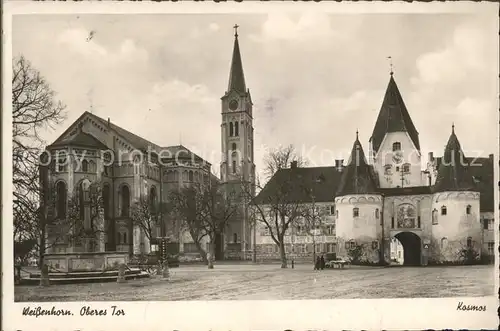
[(396, 146)]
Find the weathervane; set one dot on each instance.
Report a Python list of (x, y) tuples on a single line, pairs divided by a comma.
[(236, 26), (390, 64)]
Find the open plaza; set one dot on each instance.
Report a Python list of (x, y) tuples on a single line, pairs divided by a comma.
[(270, 282)]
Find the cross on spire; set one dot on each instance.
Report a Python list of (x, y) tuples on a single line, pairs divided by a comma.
[(390, 64), (453, 127), (236, 26)]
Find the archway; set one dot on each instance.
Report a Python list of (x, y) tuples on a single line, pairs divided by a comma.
[(412, 248)]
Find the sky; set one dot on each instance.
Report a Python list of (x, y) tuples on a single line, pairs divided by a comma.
[(315, 78)]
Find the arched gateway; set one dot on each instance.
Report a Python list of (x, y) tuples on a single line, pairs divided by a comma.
[(412, 248)]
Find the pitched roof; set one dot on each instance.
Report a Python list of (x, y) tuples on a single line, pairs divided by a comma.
[(302, 184), (81, 139), (481, 170), (393, 117), (453, 171), (236, 76), (135, 140), (358, 176), (143, 144)]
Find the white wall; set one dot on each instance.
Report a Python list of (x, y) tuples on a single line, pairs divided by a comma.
[(456, 225), (409, 155)]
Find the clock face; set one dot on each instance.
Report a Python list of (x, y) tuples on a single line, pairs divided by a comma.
[(233, 104)]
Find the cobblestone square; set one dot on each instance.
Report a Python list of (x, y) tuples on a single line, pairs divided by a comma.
[(269, 282)]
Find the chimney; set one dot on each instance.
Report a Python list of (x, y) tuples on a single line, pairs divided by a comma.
[(109, 122), (339, 164), (431, 157), (294, 164)]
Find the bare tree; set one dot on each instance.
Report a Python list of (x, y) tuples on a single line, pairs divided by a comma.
[(278, 204), (187, 207), (34, 110), (219, 207), (205, 211), (313, 218), (281, 158), (145, 214)]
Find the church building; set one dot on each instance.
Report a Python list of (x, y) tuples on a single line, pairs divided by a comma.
[(97, 160), (437, 214)]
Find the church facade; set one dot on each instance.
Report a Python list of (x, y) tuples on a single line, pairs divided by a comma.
[(442, 214), (97, 160)]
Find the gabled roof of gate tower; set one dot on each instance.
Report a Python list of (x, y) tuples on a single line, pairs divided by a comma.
[(393, 117), (358, 176), (453, 172)]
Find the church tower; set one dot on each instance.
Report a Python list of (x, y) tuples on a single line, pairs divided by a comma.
[(394, 144), (237, 147)]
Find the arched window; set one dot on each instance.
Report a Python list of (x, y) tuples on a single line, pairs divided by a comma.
[(124, 237), (443, 210), (130, 169), (396, 146), (377, 213), (468, 209), (61, 199), (469, 242), (92, 166), (125, 195), (388, 169), (233, 146), (355, 212), (231, 131), (152, 199), (185, 175), (236, 129), (234, 166), (106, 201), (191, 176), (435, 216), (406, 168), (444, 243), (176, 175), (235, 237), (196, 176), (81, 201), (85, 166)]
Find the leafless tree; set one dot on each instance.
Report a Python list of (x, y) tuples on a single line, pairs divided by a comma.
[(281, 158), (206, 211), (145, 214), (278, 204), (313, 218), (34, 110), (187, 207)]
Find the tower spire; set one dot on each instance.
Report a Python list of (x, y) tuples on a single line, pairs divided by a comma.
[(236, 76)]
